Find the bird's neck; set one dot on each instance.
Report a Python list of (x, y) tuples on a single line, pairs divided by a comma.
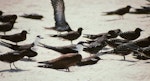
[(36, 41)]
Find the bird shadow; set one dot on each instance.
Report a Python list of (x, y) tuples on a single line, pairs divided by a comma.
[(147, 62), (113, 19), (28, 60), (12, 70), (128, 60)]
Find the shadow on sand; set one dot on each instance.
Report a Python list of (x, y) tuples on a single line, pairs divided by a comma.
[(12, 70)]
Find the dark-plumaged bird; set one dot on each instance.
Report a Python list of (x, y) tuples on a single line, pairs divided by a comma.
[(1, 12), (95, 46), (23, 47), (145, 51), (5, 27), (62, 62), (114, 42), (7, 18), (15, 37), (75, 48), (61, 24), (89, 60), (144, 42), (120, 12), (131, 35), (32, 16), (11, 57), (111, 34), (123, 49), (143, 10), (73, 35)]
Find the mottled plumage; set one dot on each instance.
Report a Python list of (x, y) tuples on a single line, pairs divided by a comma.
[(131, 35)]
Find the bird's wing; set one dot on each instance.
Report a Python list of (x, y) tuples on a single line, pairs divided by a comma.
[(59, 9)]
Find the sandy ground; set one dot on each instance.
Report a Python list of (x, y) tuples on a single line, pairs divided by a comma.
[(86, 14)]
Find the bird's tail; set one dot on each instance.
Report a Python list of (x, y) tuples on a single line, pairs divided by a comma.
[(45, 66), (104, 53), (5, 44), (87, 36), (108, 13), (49, 28), (47, 46), (54, 35)]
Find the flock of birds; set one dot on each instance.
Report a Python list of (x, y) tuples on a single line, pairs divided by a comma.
[(71, 56)]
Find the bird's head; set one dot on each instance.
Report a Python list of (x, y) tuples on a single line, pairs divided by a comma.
[(80, 29), (138, 30)]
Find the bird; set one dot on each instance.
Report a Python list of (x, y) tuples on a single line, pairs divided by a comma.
[(143, 10), (123, 50), (114, 42), (120, 12), (1, 13), (73, 35), (11, 57), (111, 34), (7, 18), (95, 46), (144, 51), (62, 62), (24, 47), (89, 61), (75, 48), (5, 27), (131, 35), (144, 42), (32, 16), (61, 25), (18, 37)]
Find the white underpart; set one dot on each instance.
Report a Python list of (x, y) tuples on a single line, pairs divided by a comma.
[(79, 47), (36, 42)]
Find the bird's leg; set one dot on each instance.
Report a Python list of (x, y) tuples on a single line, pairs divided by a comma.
[(16, 43), (121, 17), (4, 33), (124, 57), (68, 70), (71, 42), (14, 65), (10, 66)]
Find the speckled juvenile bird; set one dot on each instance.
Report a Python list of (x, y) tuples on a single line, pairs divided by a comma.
[(62, 62), (73, 35), (18, 37), (114, 42), (120, 12), (5, 27), (144, 51), (110, 34), (61, 24), (95, 46), (131, 35), (123, 49), (144, 42)]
